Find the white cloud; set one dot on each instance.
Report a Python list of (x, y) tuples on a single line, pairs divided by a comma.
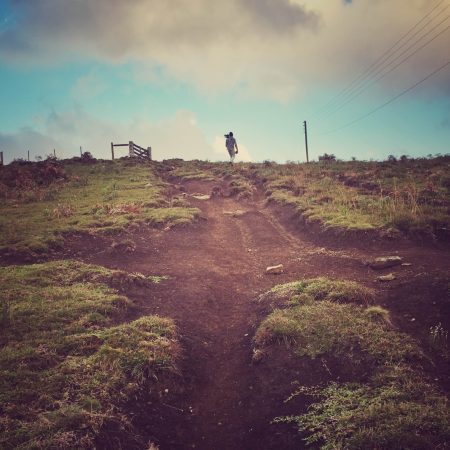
[(88, 86), (17, 145), (269, 48)]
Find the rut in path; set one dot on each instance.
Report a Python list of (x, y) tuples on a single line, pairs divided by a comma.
[(216, 270)]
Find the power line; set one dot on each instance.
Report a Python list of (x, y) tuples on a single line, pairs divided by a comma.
[(366, 81), (389, 101), (367, 71), (373, 81)]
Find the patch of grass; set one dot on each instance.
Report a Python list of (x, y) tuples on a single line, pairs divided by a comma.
[(241, 188), (102, 197), (307, 291), (395, 411), (411, 196), (394, 407), (344, 330), (66, 367)]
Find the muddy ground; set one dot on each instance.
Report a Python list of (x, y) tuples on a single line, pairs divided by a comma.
[(215, 269)]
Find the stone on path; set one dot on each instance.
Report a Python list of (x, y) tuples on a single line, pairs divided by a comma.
[(201, 196), (236, 213), (275, 270), (389, 277), (385, 262)]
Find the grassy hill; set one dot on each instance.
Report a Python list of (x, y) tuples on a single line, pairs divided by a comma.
[(88, 351)]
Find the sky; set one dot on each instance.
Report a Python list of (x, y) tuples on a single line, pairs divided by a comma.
[(177, 75)]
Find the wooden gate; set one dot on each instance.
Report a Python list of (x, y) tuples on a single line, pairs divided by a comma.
[(134, 150)]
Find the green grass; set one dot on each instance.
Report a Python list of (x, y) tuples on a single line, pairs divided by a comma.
[(411, 196), (347, 331), (308, 291), (103, 197), (393, 407), (398, 410), (66, 366)]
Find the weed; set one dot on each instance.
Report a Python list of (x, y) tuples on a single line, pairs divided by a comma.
[(438, 337)]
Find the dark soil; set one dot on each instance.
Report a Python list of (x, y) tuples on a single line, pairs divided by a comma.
[(215, 270)]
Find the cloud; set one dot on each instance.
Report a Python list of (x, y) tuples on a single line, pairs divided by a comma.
[(275, 49), (88, 86), (178, 136), (17, 145)]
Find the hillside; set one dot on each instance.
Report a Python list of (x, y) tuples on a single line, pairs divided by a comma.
[(137, 311)]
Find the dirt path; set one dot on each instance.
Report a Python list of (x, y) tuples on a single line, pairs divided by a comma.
[(215, 270)]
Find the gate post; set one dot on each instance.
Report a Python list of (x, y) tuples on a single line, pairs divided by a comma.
[(130, 149), (149, 151)]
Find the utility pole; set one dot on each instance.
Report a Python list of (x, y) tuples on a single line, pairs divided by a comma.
[(306, 140)]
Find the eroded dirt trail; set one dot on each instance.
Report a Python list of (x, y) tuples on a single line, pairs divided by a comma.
[(215, 272), (216, 269)]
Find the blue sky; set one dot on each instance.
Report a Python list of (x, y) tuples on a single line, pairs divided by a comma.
[(192, 71)]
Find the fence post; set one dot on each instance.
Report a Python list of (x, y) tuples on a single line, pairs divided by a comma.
[(130, 148), (149, 152), (28, 155), (112, 151), (1, 158), (54, 153)]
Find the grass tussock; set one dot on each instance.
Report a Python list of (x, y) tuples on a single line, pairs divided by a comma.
[(307, 291), (66, 366), (345, 330), (394, 407), (102, 197)]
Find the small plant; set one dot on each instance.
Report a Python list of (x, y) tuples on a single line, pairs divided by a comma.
[(327, 157), (87, 156), (438, 337), (63, 210)]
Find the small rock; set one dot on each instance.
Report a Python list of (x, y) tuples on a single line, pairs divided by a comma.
[(385, 262), (236, 213), (389, 277), (413, 319), (406, 264), (258, 355), (201, 196), (275, 270)]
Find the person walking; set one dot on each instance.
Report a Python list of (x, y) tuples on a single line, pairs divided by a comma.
[(231, 146)]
